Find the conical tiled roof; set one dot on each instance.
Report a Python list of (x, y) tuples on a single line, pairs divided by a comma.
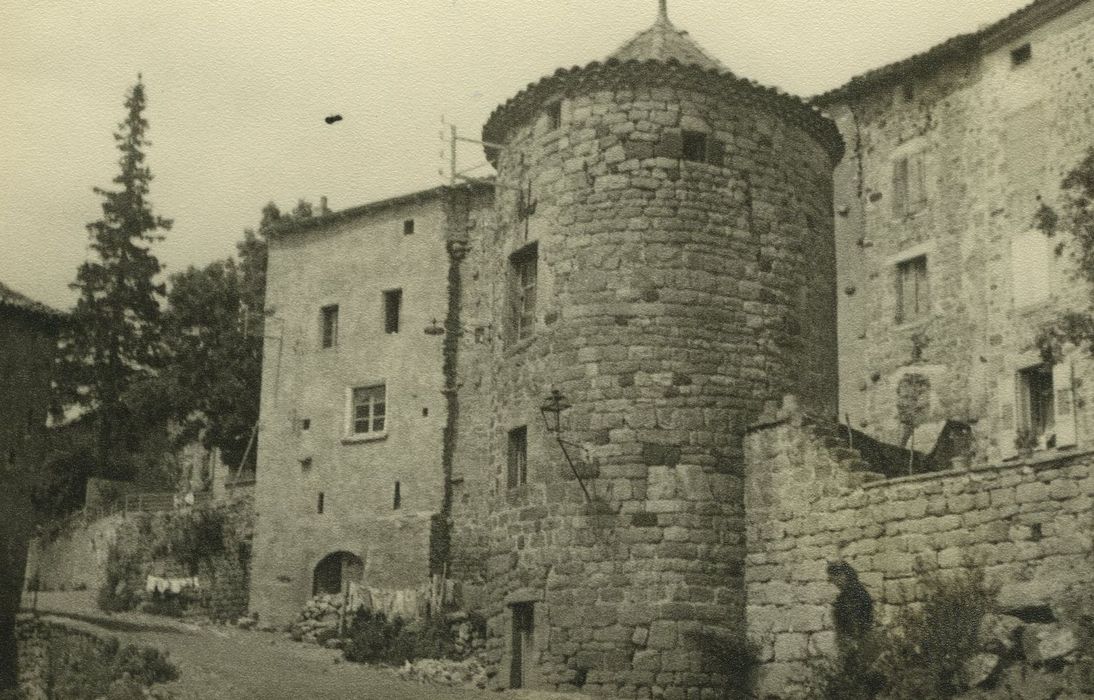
[(664, 42)]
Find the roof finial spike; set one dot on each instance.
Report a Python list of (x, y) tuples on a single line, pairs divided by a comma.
[(663, 10)]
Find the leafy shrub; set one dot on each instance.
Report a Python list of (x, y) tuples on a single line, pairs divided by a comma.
[(79, 669), (921, 656), (375, 639), (118, 592)]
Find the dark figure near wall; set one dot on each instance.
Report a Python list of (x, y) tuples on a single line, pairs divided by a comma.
[(853, 611)]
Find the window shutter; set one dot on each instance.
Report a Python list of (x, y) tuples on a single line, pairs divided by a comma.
[(1007, 429), (716, 152), (1064, 403), (900, 186), (671, 145), (917, 181)]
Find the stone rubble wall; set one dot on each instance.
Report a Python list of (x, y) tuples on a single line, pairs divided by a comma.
[(1027, 524), (673, 298)]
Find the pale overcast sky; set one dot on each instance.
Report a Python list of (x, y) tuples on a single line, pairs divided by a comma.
[(237, 93)]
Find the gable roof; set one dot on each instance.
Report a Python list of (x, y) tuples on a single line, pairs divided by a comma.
[(962, 46)]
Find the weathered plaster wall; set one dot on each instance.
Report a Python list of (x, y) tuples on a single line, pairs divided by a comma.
[(996, 140), (350, 262), (75, 557), (1027, 524), (672, 298)]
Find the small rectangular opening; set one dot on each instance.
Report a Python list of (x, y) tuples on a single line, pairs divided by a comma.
[(518, 456), (695, 146), (397, 499), (393, 301), (329, 325), (913, 300), (1038, 403), (1021, 55), (522, 640), (305, 424), (408, 227), (319, 504), (554, 115)]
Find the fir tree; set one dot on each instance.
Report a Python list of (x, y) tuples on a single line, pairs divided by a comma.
[(114, 336)]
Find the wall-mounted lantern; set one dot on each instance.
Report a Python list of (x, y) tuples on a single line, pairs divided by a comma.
[(552, 408)]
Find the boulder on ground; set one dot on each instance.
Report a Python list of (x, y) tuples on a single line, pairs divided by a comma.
[(978, 668), (1045, 642), (998, 633)]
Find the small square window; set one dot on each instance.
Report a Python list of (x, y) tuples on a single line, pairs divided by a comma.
[(408, 227), (1021, 55), (695, 146), (913, 300), (368, 410), (518, 456), (393, 302), (329, 325), (305, 424), (554, 115)]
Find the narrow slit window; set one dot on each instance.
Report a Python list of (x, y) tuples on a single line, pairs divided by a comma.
[(397, 499), (320, 503), (393, 302), (328, 319), (408, 227), (518, 456)]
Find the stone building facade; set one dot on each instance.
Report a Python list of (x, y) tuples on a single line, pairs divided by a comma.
[(28, 337), (676, 223), (664, 246), (941, 272), (352, 412)]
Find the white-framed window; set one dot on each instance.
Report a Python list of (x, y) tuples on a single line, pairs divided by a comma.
[(1037, 408), (367, 414), (913, 294)]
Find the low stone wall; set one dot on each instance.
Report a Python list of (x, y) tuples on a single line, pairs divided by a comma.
[(1027, 525), (211, 543), (74, 558), (58, 658)]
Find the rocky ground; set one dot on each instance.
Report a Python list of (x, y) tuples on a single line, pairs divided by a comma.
[(229, 663)]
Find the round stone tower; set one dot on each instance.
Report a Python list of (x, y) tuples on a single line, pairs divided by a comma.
[(663, 257)]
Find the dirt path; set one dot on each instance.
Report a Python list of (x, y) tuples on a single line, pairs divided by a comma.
[(225, 663)]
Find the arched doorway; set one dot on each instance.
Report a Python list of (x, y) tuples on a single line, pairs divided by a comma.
[(335, 571)]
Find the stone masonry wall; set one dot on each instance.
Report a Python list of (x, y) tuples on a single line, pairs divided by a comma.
[(995, 140), (673, 297), (73, 558), (1027, 524)]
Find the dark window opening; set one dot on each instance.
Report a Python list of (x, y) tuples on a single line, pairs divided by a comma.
[(912, 292), (522, 293), (305, 424), (518, 456), (909, 184), (393, 301), (320, 504), (397, 500), (695, 146), (554, 115), (1021, 55), (329, 321), (408, 227), (522, 639), (1035, 391), (425, 412)]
